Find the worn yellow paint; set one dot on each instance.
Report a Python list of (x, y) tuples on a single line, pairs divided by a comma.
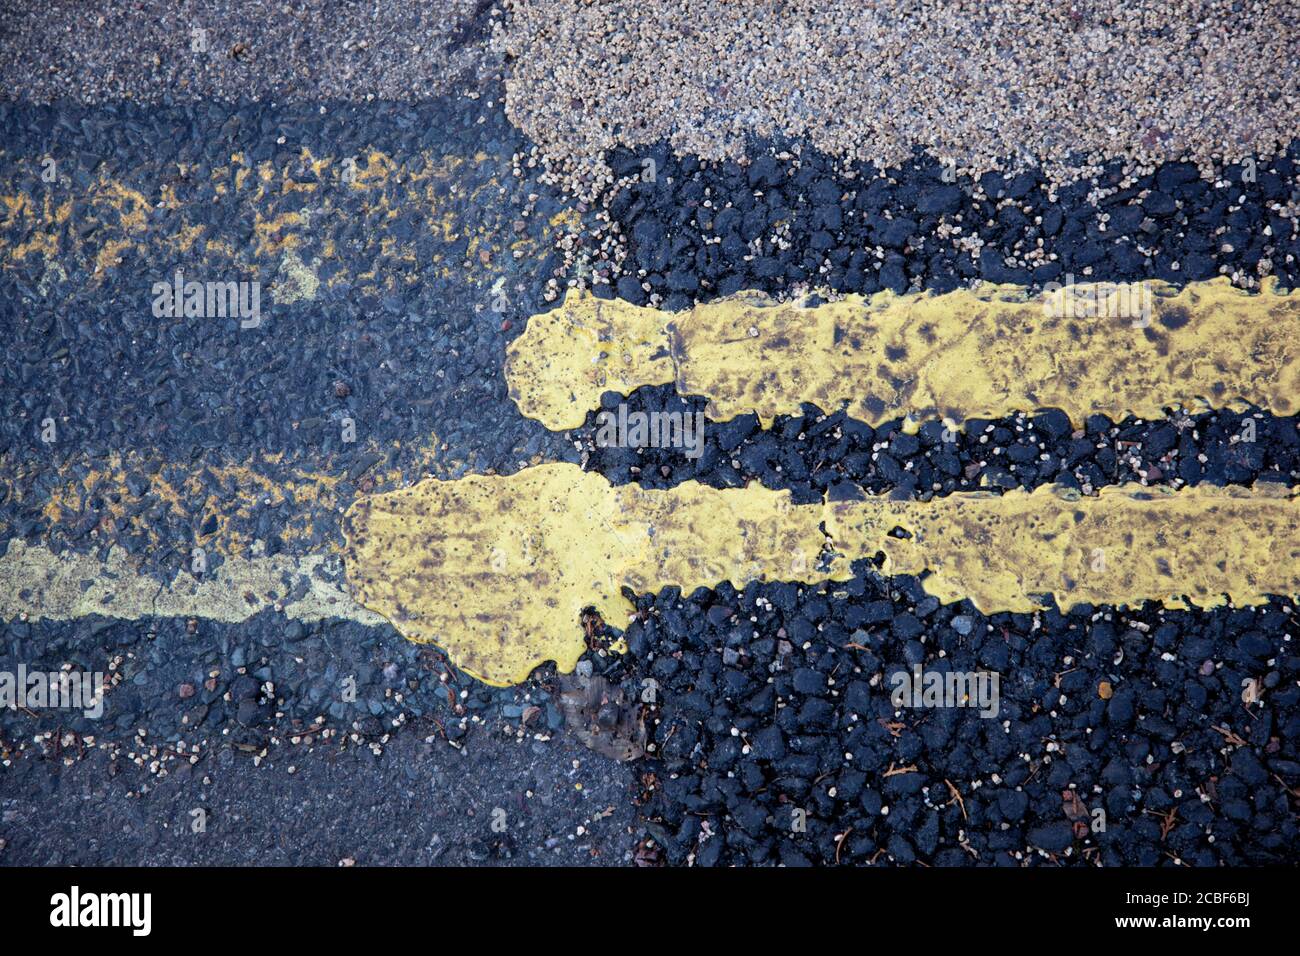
[(1201, 545), (277, 234), (493, 570), (569, 220), (230, 492), (114, 218), (51, 218), (982, 352), (498, 569)]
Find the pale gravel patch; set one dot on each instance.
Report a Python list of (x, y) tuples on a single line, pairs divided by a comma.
[(984, 84)]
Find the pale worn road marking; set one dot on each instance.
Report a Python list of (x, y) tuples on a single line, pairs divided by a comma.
[(41, 585)]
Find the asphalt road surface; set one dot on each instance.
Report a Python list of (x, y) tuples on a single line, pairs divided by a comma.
[(410, 476)]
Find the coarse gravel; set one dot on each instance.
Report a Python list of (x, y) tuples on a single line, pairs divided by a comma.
[(785, 220), (984, 85), (815, 455), (1119, 737)]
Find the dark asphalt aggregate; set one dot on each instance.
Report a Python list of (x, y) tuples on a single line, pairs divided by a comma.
[(701, 230)]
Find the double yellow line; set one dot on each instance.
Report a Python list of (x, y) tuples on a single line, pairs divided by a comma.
[(497, 569)]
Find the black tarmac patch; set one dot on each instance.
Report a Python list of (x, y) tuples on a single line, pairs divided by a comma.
[(815, 454), (790, 218), (1113, 738)]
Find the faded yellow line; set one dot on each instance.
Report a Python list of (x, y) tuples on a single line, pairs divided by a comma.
[(230, 492), (497, 570), (982, 352), (288, 247), (224, 574)]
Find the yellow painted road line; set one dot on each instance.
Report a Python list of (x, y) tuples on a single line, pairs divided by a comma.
[(984, 352), (497, 570)]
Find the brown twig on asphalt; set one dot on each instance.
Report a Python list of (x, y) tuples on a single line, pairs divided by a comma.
[(1229, 735), (895, 727), (892, 771), (956, 796), (1167, 821), (839, 842), (1294, 791)]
